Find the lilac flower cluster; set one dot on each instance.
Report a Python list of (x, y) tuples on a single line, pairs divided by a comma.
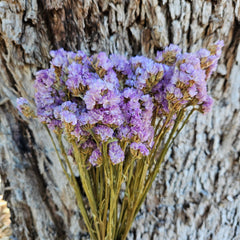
[(185, 75), (113, 99)]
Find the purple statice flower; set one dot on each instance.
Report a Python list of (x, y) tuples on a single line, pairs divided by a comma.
[(115, 152), (219, 45), (140, 147), (207, 105), (191, 75), (209, 58), (137, 110), (24, 107), (78, 132), (113, 116), (67, 112), (111, 98), (192, 91), (147, 108), (112, 78), (54, 124), (171, 88), (121, 64), (71, 56), (94, 116), (203, 53), (103, 61), (57, 112), (102, 102), (139, 61), (78, 76), (83, 58), (141, 78), (144, 68), (89, 144), (159, 93), (124, 132), (201, 91), (46, 96), (172, 51), (103, 132), (93, 95), (44, 79), (68, 117), (96, 157), (21, 103), (60, 58), (68, 105)]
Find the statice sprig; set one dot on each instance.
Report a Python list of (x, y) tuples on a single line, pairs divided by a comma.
[(119, 116)]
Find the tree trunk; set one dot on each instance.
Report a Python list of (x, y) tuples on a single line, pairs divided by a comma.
[(197, 194)]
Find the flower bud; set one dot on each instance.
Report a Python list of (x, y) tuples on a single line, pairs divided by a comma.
[(24, 107)]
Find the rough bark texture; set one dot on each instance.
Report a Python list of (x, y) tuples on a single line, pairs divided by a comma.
[(197, 194)]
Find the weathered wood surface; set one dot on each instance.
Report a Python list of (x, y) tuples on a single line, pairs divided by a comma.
[(197, 194)]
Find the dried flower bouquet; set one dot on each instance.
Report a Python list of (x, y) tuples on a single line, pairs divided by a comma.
[(120, 117)]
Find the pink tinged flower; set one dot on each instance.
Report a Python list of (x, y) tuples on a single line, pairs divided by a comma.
[(203, 53), (115, 152), (140, 147), (57, 112), (68, 117), (89, 100), (207, 105), (178, 93), (159, 57), (104, 132), (112, 98), (192, 91), (93, 95), (170, 88)]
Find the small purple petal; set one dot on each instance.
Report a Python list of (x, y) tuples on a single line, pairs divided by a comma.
[(116, 153)]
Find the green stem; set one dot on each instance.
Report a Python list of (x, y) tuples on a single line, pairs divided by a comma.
[(159, 137), (59, 158), (75, 186), (153, 174), (87, 186), (107, 185), (126, 199), (139, 185)]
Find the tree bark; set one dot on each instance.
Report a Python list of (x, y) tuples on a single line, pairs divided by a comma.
[(196, 194)]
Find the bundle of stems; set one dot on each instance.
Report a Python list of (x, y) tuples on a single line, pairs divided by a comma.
[(111, 212)]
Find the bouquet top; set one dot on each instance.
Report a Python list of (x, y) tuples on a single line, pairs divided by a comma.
[(117, 100)]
